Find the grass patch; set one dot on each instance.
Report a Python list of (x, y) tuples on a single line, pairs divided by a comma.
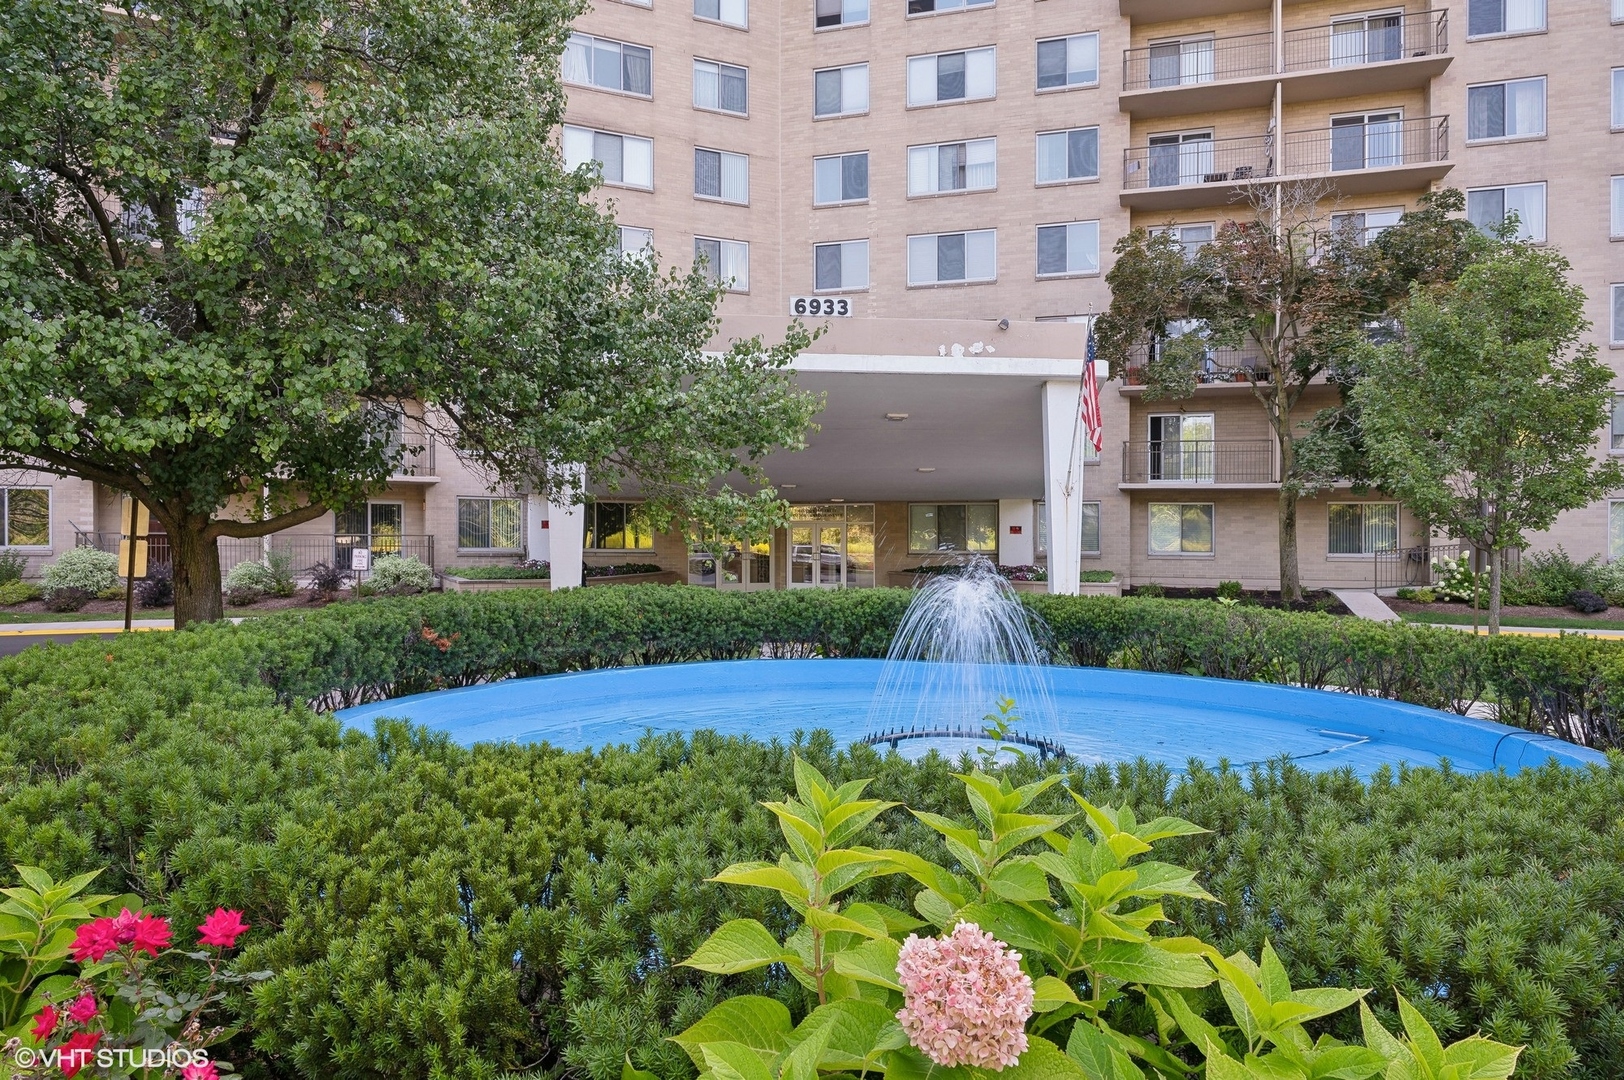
[(23, 617), (1452, 618)]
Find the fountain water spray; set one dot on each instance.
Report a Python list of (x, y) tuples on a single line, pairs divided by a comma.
[(966, 646)]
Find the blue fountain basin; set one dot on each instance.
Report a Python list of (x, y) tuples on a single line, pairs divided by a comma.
[(1103, 715)]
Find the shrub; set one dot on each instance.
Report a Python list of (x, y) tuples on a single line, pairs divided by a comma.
[(1405, 593), (1456, 580), (248, 583), (1150, 590), (326, 581), (534, 570), (280, 563), (1553, 575), (18, 592), (65, 598), (1586, 601), (1425, 596), (157, 589), (116, 592), (12, 565), (621, 569), (1230, 590), (1098, 575), (397, 576), (85, 569)]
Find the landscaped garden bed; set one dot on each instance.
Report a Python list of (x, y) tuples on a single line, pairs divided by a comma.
[(521, 908), (1317, 600)]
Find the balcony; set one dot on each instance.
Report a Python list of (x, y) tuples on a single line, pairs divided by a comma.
[(1378, 54), (1199, 463), (1223, 369), (416, 464), (1372, 153)]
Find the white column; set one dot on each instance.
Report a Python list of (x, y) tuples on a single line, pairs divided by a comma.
[(566, 538), (535, 528), (1063, 460), (1016, 548)]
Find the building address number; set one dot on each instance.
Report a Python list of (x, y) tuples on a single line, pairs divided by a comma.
[(838, 306)]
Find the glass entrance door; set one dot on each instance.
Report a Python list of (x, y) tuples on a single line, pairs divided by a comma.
[(735, 568), (817, 556)]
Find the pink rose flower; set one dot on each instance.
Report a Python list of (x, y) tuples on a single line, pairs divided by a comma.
[(965, 998), (205, 1071), (93, 940), (44, 1023), (78, 1052), (151, 935), (222, 928), (83, 1010)]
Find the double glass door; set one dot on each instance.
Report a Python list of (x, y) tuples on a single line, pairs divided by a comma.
[(375, 528), (1181, 447), (832, 546), (729, 567), (1180, 159), (1367, 141)]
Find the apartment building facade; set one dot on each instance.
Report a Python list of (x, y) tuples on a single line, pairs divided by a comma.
[(942, 182)]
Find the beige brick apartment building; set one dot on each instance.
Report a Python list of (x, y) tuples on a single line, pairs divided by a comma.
[(942, 181)]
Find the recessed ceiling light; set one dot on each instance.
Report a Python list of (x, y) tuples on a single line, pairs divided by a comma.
[(926, 468), (837, 500), (788, 487), (896, 416)]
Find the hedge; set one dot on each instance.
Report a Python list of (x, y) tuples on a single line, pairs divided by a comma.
[(435, 911)]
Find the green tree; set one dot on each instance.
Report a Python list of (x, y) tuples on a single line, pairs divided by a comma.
[(236, 239), (1483, 419), (1293, 293)]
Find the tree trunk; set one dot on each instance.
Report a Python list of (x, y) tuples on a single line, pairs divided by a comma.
[(1496, 559), (196, 561), (1291, 582)]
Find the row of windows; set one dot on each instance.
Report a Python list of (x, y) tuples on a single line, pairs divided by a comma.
[(1353, 528)]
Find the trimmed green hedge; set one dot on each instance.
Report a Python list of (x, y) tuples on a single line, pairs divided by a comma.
[(433, 911)]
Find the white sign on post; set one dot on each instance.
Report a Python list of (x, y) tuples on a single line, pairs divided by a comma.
[(360, 558)]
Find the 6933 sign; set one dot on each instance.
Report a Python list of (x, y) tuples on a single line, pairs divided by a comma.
[(837, 306)]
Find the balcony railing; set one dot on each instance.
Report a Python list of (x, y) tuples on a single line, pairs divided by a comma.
[(1347, 43), (1199, 461), (417, 454), (1371, 142)]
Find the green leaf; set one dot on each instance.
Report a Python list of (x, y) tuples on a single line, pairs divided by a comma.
[(1422, 1039), (1099, 1056), (760, 1023), (1144, 963), (1477, 1058), (1050, 993), (740, 945), (733, 1061), (1043, 1060), (630, 1072), (1020, 879), (872, 962), (763, 875)]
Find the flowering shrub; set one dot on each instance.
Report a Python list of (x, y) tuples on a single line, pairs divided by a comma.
[(965, 999), (249, 583), (115, 1008), (397, 575), (1456, 581), (87, 569)]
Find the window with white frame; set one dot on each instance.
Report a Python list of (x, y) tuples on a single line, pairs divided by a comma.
[(623, 159), (1365, 225), (25, 517), (955, 76), (952, 527), (926, 7), (841, 266), (1487, 17), (723, 87), (1064, 156), (1090, 512), (840, 178), (1618, 98), (1362, 528), (1178, 61), (960, 166), (635, 242), (840, 13), (731, 12), (1505, 110), (840, 91), (1617, 335), (1616, 428), (617, 526), (1069, 249), (721, 175), (953, 258), (1069, 61), (1192, 238), (489, 524), (1181, 528), (1369, 38), (1617, 230), (725, 261), (1615, 531), (1618, 10), (608, 64), (1487, 208)]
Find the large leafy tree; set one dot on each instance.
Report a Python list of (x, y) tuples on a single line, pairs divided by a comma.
[(1483, 417), (1291, 292), (235, 240)]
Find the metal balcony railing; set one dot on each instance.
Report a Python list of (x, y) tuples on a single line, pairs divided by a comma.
[(1374, 39), (1346, 43), (1182, 160), (158, 550), (1218, 365), (1374, 142), (1199, 461), (417, 454)]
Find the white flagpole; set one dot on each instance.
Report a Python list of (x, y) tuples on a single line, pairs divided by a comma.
[(1077, 413)]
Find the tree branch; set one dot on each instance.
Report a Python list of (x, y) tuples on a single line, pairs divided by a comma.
[(242, 529)]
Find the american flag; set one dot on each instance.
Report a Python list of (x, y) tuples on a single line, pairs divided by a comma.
[(1088, 404)]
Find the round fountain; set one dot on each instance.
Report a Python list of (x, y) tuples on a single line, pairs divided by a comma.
[(967, 673)]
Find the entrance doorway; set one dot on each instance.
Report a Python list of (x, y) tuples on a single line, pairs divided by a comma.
[(733, 568), (376, 528), (831, 546)]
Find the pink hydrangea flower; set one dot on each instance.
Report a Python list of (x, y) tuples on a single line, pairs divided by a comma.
[(965, 998)]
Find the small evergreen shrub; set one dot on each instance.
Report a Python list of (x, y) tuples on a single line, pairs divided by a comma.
[(248, 583), (280, 563), (534, 570), (1230, 590), (621, 569), (397, 576), (1150, 590), (12, 565), (83, 569), (1586, 601), (66, 598), (1098, 576), (18, 592), (1425, 596), (157, 589)]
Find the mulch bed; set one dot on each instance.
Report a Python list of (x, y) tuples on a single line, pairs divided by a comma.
[(112, 608), (1313, 599), (1508, 615)]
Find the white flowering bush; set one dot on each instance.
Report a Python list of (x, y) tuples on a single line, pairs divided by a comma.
[(85, 569), (397, 574), (1456, 581), (249, 582)]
